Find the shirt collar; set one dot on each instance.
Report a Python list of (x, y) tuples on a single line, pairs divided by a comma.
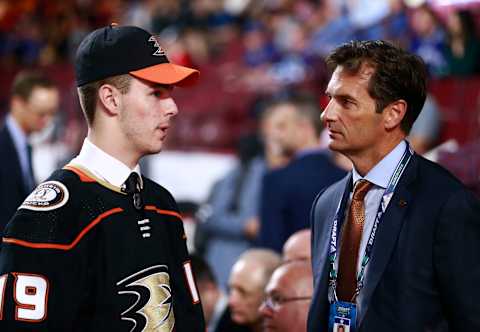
[(103, 165), (381, 173), (19, 138)]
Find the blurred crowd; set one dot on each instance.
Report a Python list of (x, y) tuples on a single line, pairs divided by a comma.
[(279, 42), (246, 50)]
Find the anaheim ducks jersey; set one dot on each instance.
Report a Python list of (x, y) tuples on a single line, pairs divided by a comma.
[(78, 256)]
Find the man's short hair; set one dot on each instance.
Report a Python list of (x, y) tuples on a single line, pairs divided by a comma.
[(397, 74), (306, 104), (88, 93), (26, 81)]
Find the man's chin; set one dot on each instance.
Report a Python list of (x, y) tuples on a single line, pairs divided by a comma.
[(335, 146), (238, 319)]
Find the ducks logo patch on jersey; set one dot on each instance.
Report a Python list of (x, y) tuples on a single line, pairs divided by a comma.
[(47, 196), (151, 306)]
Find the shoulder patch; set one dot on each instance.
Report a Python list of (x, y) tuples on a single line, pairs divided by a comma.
[(47, 196)]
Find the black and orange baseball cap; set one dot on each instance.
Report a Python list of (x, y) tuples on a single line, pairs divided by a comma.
[(116, 50)]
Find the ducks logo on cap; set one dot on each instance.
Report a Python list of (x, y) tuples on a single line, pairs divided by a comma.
[(160, 51)]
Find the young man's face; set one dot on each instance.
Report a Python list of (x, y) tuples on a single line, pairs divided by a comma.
[(145, 117), (353, 124)]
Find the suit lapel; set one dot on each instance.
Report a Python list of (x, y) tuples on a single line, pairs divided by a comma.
[(11, 151), (324, 215), (386, 237)]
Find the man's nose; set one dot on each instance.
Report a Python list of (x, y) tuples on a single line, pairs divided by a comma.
[(169, 106), (329, 112)]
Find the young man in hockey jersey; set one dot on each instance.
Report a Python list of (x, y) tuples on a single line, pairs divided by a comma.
[(98, 247)]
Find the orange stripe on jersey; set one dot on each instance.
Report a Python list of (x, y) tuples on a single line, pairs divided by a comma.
[(83, 177), (168, 212), (63, 246)]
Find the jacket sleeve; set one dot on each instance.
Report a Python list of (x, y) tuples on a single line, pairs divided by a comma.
[(457, 260), (273, 232)]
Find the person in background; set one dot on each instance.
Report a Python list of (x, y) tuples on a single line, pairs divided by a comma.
[(228, 223), (462, 49), (287, 297), (288, 193), (248, 279), (34, 102), (426, 129), (214, 301), (464, 162), (297, 246), (428, 39)]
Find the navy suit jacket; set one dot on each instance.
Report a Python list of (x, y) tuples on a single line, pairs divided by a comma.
[(288, 194), (424, 274), (12, 187)]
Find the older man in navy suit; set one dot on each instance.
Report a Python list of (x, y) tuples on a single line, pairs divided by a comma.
[(33, 102), (396, 243)]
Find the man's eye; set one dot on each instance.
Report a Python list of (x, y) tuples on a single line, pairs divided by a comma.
[(277, 299), (347, 103)]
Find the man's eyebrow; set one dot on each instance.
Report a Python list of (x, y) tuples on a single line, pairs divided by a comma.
[(341, 96)]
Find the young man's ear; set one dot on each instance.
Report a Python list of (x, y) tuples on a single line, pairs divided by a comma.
[(394, 113), (109, 97)]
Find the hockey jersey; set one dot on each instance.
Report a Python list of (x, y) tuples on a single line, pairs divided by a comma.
[(78, 256)]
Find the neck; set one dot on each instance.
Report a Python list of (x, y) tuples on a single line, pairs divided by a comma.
[(366, 160), (18, 120), (106, 140), (309, 145), (309, 140)]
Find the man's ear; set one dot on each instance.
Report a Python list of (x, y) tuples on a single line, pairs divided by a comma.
[(110, 97), (17, 102), (394, 113)]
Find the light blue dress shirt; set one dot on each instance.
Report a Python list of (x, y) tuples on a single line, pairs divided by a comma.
[(379, 175)]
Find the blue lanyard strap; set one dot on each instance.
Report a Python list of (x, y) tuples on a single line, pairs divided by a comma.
[(387, 195)]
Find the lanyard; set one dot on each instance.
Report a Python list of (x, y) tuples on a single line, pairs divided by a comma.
[(387, 195)]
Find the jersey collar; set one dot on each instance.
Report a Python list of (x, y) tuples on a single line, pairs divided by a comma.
[(103, 165)]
